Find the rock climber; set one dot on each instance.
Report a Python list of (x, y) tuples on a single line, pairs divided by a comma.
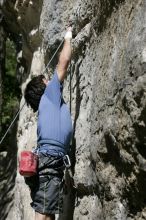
[(54, 132)]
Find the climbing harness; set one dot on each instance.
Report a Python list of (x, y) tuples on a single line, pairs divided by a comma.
[(25, 102)]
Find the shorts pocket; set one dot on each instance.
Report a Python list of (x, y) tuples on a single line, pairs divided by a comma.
[(44, 161), (57, 180)]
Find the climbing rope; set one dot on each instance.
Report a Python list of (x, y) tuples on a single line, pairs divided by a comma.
[(11, 123), (25, 102), (53, 56)]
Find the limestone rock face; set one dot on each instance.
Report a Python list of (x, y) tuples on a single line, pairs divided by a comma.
[(108, 101), (2, 43)]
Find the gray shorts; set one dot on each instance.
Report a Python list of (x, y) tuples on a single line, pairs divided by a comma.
[(47, 187)]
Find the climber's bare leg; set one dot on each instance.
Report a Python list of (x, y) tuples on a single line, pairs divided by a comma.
[(39, 216), (50, 217)]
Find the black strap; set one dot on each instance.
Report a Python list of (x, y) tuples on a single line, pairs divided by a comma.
[(70, 92)]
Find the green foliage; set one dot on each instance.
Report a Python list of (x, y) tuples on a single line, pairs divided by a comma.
[(11, 91), (10, 59)]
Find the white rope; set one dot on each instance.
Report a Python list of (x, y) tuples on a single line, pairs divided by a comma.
[(11, 124), (53, 56), (25, 103)]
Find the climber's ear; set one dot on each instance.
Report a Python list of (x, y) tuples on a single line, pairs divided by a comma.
[(45, 81)]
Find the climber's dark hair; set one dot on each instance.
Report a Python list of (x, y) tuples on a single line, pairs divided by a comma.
[(33, 92)]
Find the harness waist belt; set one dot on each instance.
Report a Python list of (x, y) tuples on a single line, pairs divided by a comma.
[(52, 142)]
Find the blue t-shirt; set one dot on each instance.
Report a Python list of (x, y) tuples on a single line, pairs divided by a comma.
[(54, 119)]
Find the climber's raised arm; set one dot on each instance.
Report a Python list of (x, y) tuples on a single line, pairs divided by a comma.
[(65, 56)]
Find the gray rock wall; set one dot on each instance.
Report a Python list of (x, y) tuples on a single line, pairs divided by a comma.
[(108, 102), (2, 61)]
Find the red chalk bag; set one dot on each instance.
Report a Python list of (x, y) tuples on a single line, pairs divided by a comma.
[(28, 162)]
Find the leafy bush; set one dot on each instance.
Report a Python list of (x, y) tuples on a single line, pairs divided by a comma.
[(11, 91)]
